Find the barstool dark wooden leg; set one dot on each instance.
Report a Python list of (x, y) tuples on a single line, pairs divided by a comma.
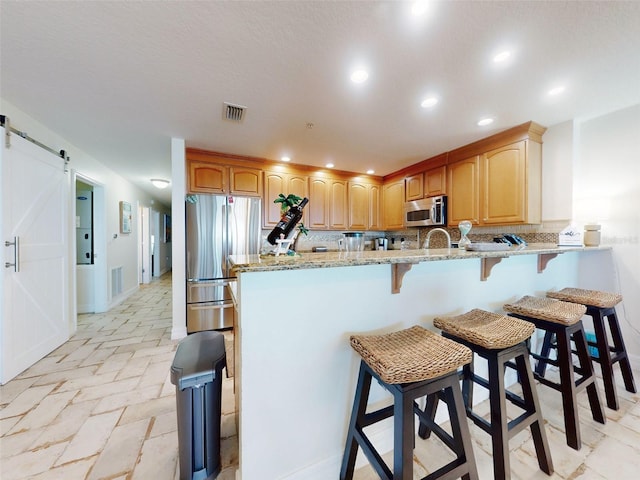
[(499, 421), (621, 351), (607, 356), (532, 404), (460, 432), (357, 415), (403, 431), (541, 365), (568, 390), (586, 369)]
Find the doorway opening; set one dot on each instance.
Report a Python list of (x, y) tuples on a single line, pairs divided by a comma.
[(89, 237)]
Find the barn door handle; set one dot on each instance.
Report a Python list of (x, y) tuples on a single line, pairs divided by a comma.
[(16, 254)]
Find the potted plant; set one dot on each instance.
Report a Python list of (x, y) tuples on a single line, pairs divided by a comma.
[(287, 202)]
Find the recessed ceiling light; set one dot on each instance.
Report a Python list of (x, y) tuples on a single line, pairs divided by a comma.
[(285, 159), (370, 172), (485, 121), (556, 90), (429, 102), (419, 8), (502, 56), (329, 165), (359, 76)]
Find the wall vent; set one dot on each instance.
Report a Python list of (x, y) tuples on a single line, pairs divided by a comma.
[(233, 113), (116, 281)]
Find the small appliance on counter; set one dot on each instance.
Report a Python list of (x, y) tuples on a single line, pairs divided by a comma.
[(381, 244), (351, 242)]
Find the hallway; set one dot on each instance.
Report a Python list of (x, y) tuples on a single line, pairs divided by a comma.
[(102, 406)]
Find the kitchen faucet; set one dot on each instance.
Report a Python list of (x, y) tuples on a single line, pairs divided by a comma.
[(426, 242)]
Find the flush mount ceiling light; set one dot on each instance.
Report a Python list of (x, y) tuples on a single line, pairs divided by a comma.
[(485, 121), (160, 183), (359, 75), (429, 102), (329, 165), (370, 172), (285, 159)]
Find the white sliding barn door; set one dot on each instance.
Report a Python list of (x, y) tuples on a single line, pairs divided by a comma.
[(34, 210)]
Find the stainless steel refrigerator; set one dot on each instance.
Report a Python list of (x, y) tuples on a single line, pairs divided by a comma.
[(217, 226)]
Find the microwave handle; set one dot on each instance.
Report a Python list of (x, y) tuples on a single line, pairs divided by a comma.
[(433, 213)]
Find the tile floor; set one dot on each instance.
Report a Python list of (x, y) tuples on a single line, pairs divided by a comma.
[(102, 406)]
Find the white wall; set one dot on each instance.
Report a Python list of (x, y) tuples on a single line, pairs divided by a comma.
[(179, 274), (557, 171), (121, 250), (606, 190), (591, 174)]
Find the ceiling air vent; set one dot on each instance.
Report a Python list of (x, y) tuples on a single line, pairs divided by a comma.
[(233, 113)]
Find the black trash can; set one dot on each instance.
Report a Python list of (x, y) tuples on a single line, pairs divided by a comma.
[(197, 374)]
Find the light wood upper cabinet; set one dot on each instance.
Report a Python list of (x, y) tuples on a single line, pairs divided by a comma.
[(245, 181), (499, 187), (414, 187), (364, 206), (318, 203), (393, 205), (464, 193), (375, 217), (207, 177), (338, 206), (435, 181), (511, 184), (503, 185), (276, 183), (358, 206)]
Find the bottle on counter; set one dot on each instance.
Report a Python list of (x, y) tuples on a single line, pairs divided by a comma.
[(288, 222), (591, 235)]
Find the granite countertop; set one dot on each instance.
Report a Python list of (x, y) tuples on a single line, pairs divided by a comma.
[(306, 260)]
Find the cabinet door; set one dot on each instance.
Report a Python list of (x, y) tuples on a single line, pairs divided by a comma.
[(246, 181), (339, 208), (276, 183), (207, 178), (393, 205), (504, 185), (358, 206), (435, 181), (318, 203), (463, 184), (375, 222), (299, 185), (414, 187)]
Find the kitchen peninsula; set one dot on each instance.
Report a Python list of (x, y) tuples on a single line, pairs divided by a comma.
[(295, 370)]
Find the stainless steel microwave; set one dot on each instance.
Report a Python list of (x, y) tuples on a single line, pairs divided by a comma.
[(426, 212)]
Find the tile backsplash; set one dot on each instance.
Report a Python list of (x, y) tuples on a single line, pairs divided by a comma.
[(415, 237)]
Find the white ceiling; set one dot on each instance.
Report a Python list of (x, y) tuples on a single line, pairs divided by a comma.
[(119, 79)]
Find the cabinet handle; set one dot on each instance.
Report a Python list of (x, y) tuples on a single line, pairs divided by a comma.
[(16, 254)]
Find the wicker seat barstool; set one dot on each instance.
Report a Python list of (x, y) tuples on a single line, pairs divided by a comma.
[(563, 319), (600, 306), (410, 364), (500, 340)]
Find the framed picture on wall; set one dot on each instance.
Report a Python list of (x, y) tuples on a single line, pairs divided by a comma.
[(125, 217), (167, 228)]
